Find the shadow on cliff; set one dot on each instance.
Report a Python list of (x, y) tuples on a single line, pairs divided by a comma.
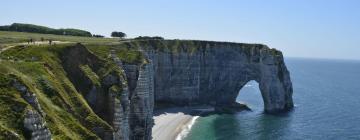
[(202, 111), (186, 110), (206, 111)]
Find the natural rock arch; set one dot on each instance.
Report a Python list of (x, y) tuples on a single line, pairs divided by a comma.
[(205, 73), (215, 73), (276, 92)]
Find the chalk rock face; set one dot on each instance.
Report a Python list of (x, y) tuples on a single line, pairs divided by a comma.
[(215, 73), (138, 108), (137, 101), (212, 74), (34, 124), (142, 101), (121, 105)]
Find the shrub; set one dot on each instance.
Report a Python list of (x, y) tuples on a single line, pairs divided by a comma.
[(98, 36), (118, 34), (149, 38)]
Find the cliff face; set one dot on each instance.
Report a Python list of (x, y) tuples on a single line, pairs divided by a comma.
[(142, 104), (215, 72), (34, 123), (69, 92), (205, 73), (104, 87)]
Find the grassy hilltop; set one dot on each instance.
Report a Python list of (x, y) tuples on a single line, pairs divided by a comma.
[(40, 67), (8, 37)]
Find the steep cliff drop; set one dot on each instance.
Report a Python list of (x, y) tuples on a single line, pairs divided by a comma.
[(212, 73), (190, 73)]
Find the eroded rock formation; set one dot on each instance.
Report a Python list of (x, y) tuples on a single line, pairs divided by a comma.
[(215, 72), (141, 85), (34, 123), (212, 74)]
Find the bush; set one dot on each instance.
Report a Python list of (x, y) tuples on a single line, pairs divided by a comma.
[(4, 28), (118, 34), (98, 36), (149, 38)]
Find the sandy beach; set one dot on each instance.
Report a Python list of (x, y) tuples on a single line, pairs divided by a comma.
[(173, 123)]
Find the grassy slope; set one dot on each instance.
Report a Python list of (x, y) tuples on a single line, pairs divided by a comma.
[(12, 109), (64, 107), (39, 67)]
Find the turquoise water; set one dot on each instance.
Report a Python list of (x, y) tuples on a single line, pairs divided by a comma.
[(327, 106)]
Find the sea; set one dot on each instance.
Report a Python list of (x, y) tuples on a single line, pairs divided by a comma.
[(327, 107)]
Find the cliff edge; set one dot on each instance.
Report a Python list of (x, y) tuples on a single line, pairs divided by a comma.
[(109, 90)]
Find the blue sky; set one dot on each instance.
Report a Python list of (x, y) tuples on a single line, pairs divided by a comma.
[(302, 28)]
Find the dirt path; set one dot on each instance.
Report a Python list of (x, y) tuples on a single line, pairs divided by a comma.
[(5, 48), (34, 43)]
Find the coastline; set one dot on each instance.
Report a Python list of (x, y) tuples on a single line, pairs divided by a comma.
[(175, 123), (187, 129)]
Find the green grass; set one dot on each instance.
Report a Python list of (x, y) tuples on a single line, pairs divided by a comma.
[(7, 37), (68, 114), (127, 54), (6, 134), (12, 108), (62, 123), (90, 74)]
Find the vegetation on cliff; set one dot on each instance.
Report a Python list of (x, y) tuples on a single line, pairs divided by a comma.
[(42, 69), (68, 114)]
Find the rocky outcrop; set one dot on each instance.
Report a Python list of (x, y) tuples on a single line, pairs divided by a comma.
[(140, 101), (121, 106), (215, 72), (34, 124), (104, 87)]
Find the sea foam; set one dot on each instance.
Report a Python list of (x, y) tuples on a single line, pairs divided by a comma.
[(186, 129)]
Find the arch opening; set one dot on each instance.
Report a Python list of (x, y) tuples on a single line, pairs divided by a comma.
[(251, 96)]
